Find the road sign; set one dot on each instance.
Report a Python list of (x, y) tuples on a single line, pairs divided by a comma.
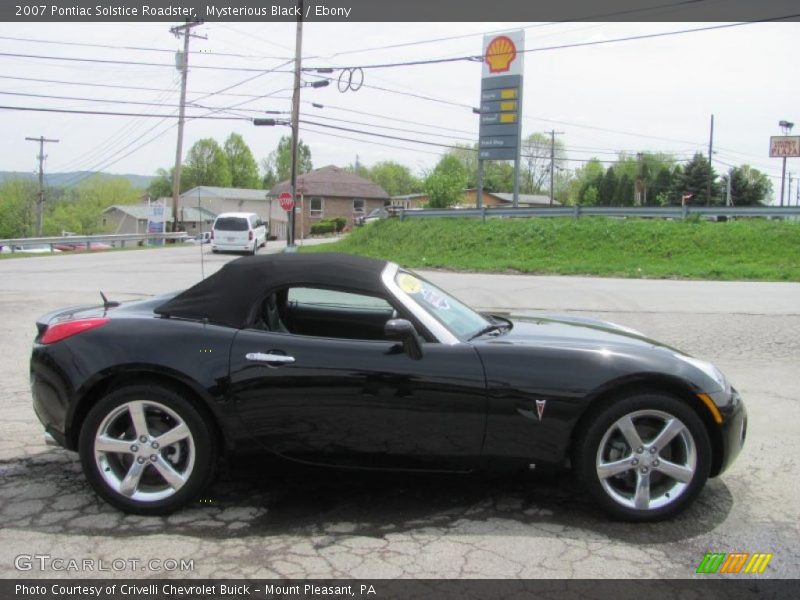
[(286, 201), (501, 96), (784, 145)]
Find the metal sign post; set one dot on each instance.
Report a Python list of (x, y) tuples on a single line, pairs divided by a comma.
[(500, 132)]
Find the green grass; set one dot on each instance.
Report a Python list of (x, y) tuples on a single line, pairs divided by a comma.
[(748, 249)]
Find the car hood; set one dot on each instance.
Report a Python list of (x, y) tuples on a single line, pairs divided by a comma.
[(573, 331)]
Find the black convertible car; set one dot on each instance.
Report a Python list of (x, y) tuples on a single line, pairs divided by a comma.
[(349, 362)]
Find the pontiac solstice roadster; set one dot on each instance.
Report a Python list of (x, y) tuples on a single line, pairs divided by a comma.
[(350, 362)]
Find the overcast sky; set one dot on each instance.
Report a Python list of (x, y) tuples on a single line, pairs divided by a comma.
[(661, 91)]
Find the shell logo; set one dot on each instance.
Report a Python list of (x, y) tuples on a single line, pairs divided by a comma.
[(500, 53)]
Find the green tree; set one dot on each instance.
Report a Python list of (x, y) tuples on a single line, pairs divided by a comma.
[(749, 186), (498, 176), (393, 177), (445, 184), (623, 196), (694, 180), (206, 164), (17, 204), (535, 162), (660, 191), (81, 208), (589, 175), (161, 186), (607, 189), (242, 165), (589, 196), (279, 161)]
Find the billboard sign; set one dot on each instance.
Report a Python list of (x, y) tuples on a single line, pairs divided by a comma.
[(784, 146), (501, 96)]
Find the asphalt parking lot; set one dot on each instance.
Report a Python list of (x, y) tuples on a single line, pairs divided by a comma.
[(258, 523)]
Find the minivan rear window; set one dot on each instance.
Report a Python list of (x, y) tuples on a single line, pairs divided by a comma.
[(231, 224)]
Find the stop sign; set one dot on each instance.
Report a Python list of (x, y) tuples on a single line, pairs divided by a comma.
[(286, 200)]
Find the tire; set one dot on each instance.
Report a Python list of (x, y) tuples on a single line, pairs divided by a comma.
[(255, 248), (627, 471), (172, 474)]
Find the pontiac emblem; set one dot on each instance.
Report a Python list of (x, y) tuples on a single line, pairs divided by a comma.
[(540, 408)]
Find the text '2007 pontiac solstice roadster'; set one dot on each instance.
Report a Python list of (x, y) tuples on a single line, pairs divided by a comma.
[(343, 361)]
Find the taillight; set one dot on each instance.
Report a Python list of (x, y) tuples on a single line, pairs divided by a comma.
[(250, 235), (60, 331)]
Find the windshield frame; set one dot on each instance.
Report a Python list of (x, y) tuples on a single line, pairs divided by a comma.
[(440, 330)]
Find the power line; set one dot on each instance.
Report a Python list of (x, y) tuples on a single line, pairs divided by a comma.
[(538, 25), (131, 87), (115, 114), (479, 58), (127, 62), (138, 48)]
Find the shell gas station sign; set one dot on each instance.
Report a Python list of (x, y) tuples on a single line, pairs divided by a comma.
[(501, 96)]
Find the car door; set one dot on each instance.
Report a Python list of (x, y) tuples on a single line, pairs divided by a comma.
[(358, 402)]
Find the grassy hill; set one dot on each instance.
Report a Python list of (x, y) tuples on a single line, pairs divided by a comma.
[(74, 177), (747, 249)]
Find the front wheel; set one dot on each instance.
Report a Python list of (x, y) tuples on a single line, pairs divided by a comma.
[(643, 457), (147, 450)]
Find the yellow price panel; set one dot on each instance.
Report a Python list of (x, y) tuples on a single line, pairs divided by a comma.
[(508, 105), (508, 94), (508, 118)]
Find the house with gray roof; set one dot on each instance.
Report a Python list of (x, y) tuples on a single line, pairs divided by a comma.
[(332, 192), (133, 218), (219, 200)]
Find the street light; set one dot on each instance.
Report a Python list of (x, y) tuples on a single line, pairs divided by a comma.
[(786, 126)]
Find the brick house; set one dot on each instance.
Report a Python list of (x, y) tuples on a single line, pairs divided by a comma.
[(332, 192)]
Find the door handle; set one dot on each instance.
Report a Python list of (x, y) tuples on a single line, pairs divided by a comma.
[(269, 357)]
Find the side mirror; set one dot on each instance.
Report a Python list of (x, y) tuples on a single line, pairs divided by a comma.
[(403, 331)]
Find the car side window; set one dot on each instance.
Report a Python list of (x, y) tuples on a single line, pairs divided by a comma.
[(327, 313)]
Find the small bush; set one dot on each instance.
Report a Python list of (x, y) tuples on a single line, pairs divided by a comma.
[(322, 227)]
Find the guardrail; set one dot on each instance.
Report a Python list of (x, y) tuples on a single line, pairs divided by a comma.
[(113, 238), (666, 212)]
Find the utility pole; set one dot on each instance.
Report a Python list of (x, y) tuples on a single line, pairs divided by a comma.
[(728, 201), (298, 46), (789, 192), (553, 133), (183, 67), (40, 202), (710, 169)]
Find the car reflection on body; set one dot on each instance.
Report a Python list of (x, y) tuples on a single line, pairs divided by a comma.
[(344, 361)]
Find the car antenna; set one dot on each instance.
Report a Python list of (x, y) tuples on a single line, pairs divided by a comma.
[(106, 302)]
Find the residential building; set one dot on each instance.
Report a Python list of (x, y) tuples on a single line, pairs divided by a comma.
[(219, 200), (332, 192), (132, 218)]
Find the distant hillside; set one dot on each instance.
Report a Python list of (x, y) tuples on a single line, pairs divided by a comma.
[(74, 177)]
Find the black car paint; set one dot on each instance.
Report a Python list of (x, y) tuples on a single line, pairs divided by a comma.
[(365, 403)]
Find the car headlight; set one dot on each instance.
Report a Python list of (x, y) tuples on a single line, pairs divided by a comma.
[(709, 369)]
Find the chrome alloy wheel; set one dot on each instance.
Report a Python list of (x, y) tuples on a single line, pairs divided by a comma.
[(646, 459), (144, 450)]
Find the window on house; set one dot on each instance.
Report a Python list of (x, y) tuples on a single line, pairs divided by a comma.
[(315, 207), (359, 205)]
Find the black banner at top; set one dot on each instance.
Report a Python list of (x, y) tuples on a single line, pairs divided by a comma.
[(398, 10)]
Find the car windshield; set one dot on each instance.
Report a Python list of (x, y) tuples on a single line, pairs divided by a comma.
[(231, 224), (459, 318)]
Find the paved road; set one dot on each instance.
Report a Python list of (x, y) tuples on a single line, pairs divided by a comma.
[(263, 524)]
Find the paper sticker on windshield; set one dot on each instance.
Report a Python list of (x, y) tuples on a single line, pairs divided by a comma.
[(435, 299), (409, 284)]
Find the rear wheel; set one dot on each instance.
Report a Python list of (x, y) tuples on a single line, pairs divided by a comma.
[(147, 450), (643, 457)]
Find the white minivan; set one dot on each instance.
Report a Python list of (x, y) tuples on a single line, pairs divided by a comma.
[(238, 232)]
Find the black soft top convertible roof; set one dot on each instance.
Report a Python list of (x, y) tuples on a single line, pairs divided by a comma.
[(229, 296)]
